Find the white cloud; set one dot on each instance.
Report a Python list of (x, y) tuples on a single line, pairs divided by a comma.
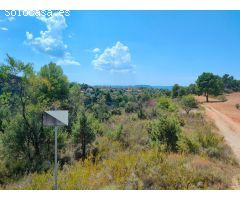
[(11, 19), (29, 35), (95, 50), (114, 59), (3, 29), (68, 60), (51, 41)]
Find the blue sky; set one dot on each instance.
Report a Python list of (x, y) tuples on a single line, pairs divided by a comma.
[(127, 47)]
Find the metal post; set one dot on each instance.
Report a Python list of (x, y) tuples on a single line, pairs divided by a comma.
[(55, 164)]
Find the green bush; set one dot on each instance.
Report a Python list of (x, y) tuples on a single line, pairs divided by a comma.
[(188, 103), (165, 103), (131, 107), (188, 144), (141, 114), (116, 111), (165, 130), (205, 142), (118, 132)]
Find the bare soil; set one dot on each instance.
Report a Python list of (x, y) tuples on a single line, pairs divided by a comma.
[(227, 119)]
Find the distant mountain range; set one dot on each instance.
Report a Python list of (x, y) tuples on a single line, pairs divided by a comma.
[(136, 86)]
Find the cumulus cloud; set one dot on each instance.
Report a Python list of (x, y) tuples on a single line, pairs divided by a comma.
[(51, 41), (3, 29), (114, 59)]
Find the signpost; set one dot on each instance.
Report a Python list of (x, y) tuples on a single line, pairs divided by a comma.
[(55, 118)]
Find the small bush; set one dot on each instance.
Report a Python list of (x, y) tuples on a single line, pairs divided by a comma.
[(222, 98), (237, 106), (165, 103), (131, 107), (188, 103), (165, 131), (188, 144), (141, 114), (118, 132), (116, 111)]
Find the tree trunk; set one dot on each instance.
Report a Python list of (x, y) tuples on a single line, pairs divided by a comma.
[(207, 97), (83, 147)]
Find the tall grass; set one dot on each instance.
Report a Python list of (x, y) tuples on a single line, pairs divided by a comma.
[(151, 169)]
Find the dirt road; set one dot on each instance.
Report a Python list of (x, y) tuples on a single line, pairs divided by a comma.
[(227, 119)]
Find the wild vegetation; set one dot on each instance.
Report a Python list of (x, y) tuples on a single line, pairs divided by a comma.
[(117, 138)]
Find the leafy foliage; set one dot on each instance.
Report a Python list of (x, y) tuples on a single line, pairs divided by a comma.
[(165, 130), (188, 103), (208, 83), (166, 104), (85, 130)]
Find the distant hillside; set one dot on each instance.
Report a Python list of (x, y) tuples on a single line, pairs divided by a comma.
[(135, 86)]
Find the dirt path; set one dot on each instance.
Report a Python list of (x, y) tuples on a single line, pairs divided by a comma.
[(227, 119), (227, 128)]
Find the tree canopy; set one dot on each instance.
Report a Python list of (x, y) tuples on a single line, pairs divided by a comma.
[(210, 84)]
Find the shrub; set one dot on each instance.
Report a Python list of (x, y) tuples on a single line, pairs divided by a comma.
[(222, 98), (118, 132), (131, 107), (205, 142), (143, 170), (141, 113), (237, 106), (116, 111), (165, 131), (165, 103), (188, 103), (188, 144)]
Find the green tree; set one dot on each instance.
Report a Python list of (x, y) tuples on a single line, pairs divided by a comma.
[(23, 135), (175, 91), (188, 103), (178, 91), (210, 84), (84, 132), (55, 85), (108, 99), (192, 89), (230, 84), (25, 140), (182, 91), (75, 102)]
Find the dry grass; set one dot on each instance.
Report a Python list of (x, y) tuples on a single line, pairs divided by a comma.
[(143, 170)]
